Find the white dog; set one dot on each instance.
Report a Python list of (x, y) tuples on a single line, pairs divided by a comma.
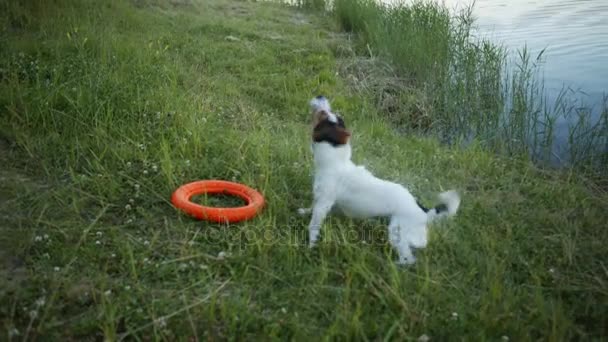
[(353, 190)]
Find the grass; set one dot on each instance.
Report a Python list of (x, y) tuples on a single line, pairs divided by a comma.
[(471, 86), (107, 107)]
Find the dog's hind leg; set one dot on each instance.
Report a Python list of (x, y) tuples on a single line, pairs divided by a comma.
[(416, 235), (400, 243), (320, 210)]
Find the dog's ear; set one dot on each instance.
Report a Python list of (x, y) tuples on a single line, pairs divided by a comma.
[(342, 135)]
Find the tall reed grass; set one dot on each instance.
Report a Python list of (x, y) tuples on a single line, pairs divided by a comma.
[(472, 88)]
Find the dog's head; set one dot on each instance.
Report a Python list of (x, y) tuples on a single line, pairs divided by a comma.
[(327, 126)]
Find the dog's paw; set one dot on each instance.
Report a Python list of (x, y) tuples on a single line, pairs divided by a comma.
[(303, 211)]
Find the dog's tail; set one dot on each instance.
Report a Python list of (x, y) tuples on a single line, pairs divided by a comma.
[(320, 103), (449, 202)]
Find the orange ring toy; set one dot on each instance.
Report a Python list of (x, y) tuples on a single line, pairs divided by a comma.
[(181, 200)]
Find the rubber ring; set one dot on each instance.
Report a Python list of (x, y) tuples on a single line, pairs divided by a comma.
[(181, 200)]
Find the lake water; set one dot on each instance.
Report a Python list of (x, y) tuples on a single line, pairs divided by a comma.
[(574, 34)]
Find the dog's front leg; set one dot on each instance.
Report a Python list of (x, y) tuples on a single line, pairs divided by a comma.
[(320, 210)]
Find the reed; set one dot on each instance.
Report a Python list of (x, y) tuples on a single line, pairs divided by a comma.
[(473, 88)]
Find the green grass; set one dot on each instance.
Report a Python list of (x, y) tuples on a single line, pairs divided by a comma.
[(107, 107)]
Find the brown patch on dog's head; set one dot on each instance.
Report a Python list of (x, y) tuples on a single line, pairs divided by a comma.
[(331, 130)]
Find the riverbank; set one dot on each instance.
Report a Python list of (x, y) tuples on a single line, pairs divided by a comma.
[(475, 88), (107, 108)]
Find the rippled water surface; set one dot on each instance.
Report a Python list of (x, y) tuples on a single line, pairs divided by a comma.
[(573, 32)]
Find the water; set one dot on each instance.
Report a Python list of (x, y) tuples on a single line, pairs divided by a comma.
[(574, 37), (574, 34)]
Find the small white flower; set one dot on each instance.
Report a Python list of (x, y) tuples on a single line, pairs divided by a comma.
[(40, 302), (46, 236), (108, 292), (137, 186), (161, 322), (56, 268), (154, 168), (454, 315), (127, 287), (127, 207), (142, 146), (38, 238), (129, 164), (98, 233), (113, 255), (221, 255), (552, 270), (146, 260), (423, 338), (146, 243), (129, 221), (203, 266), (504, 338), (145, 172), (187, 162), (183, 266), (97, 242), (131, 200), (283, 310)]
